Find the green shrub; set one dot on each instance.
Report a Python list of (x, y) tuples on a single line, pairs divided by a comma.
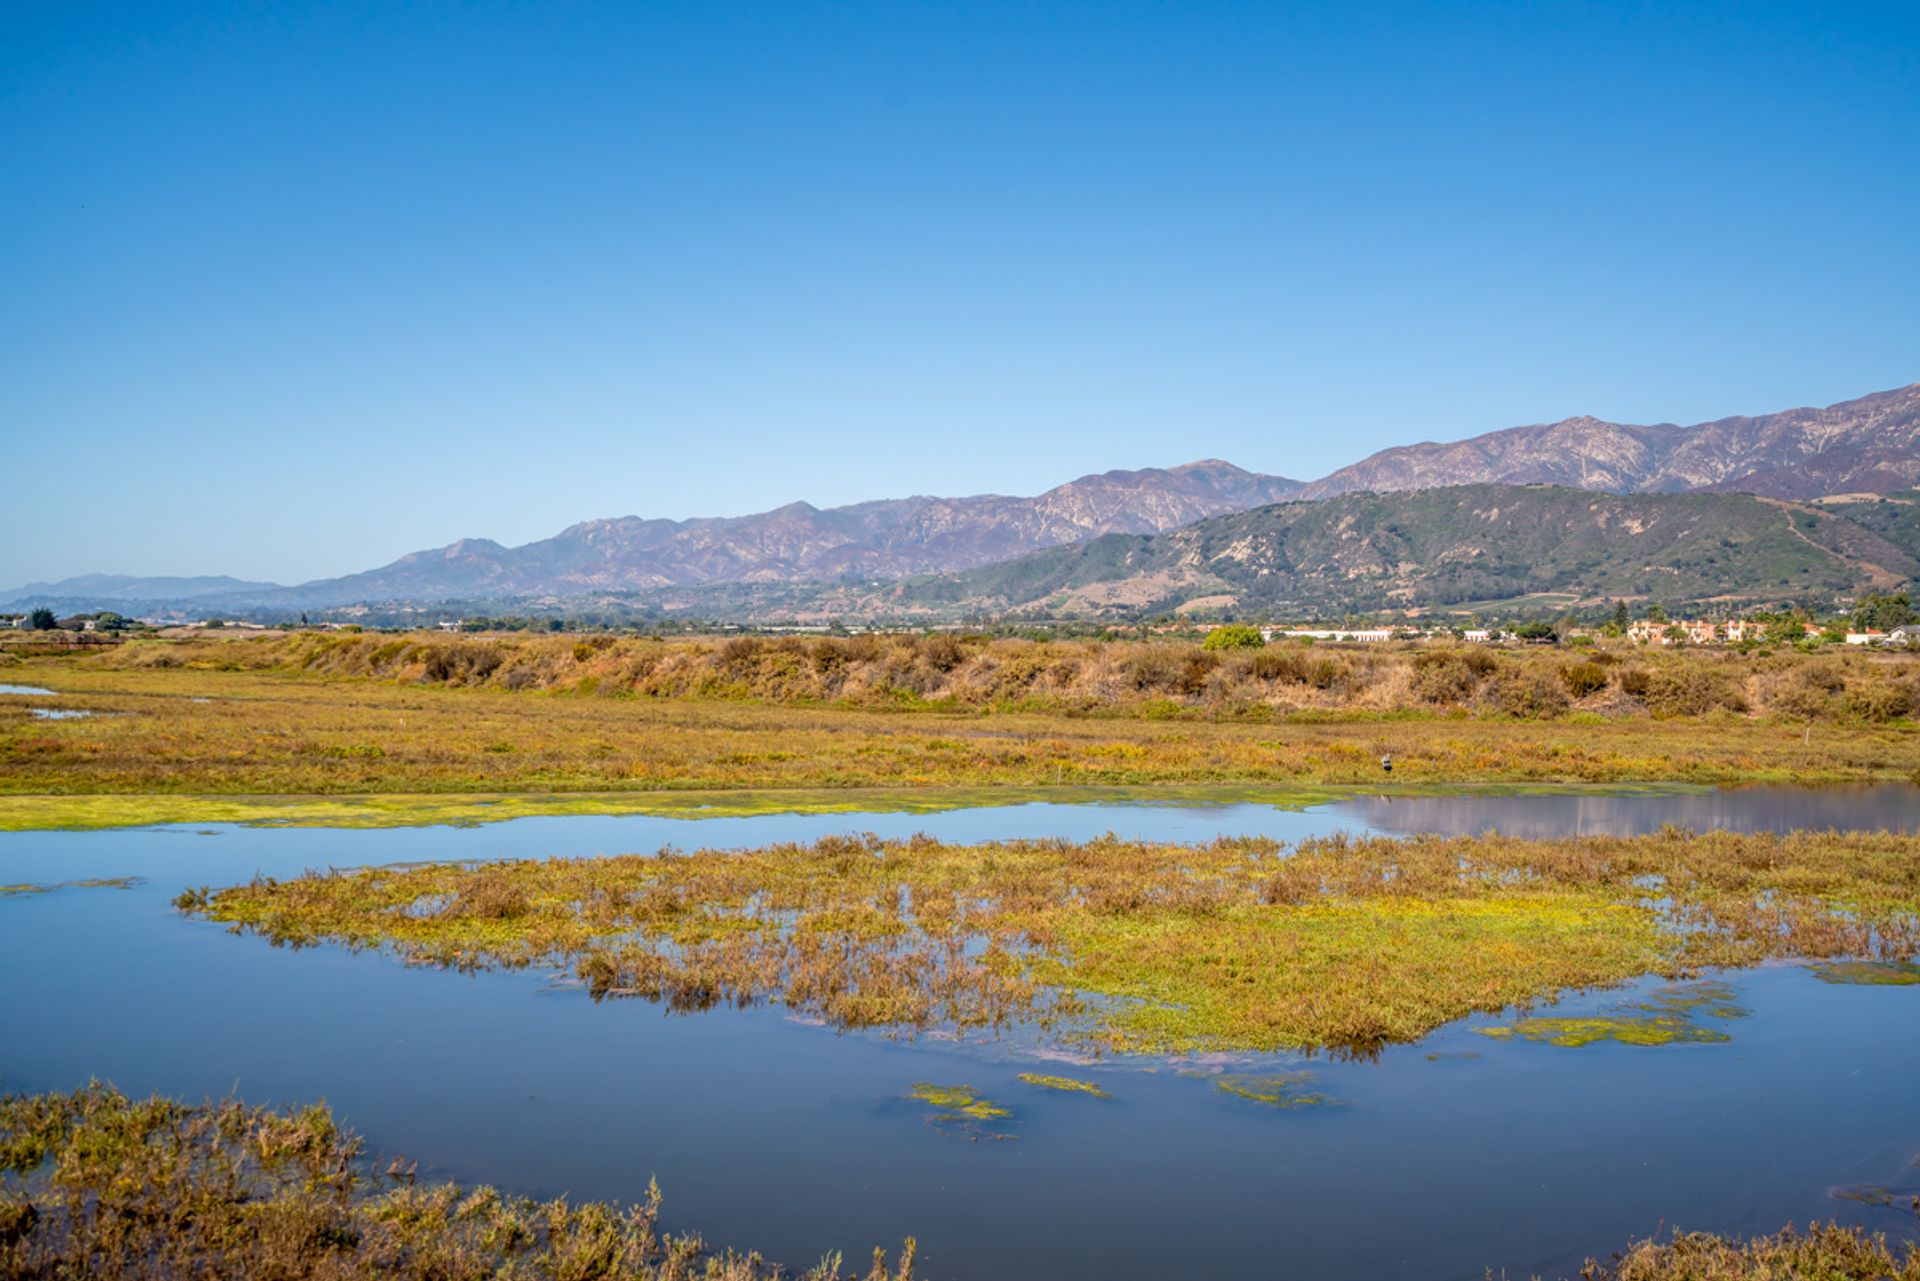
[(1234, 636)]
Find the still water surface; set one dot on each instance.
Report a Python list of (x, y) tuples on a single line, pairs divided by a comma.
[(775, 1135)]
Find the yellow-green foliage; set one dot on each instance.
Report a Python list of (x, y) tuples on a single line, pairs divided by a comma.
[(1238, 944), (93, 1184)]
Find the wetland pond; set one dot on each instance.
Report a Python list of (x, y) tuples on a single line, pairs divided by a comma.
[(1791, 1098)]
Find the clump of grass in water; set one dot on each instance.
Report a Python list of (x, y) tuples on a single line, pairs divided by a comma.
[(1066, 1084), (95, 1184), (959, 1109), (1827, 1251), (1277, 1090), (1338, 943)]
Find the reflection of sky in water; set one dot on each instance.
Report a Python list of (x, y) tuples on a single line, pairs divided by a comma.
[(792, 1139), (1871, 807)]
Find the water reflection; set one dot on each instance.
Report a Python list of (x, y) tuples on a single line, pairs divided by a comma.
[(1443, 1159)]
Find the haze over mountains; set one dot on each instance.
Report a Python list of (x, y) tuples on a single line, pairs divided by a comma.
[(1871, 444)]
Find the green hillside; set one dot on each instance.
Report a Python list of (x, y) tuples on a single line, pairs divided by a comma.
[(1448, 546)]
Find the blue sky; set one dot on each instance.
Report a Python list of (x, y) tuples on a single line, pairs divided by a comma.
[(287, 291)]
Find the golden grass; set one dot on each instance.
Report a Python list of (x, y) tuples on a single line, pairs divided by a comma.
[(1130, 946), (188, 732)]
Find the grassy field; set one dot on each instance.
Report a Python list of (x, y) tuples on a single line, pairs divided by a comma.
[(197, 731), (1337, 943)]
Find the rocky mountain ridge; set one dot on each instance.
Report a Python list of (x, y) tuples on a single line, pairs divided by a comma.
[(1871, 444)]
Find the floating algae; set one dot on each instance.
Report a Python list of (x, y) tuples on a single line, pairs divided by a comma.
[(961, 1110), (1278, 1090), (1067, 1084), (48, 887), (1666, 1018), (1869, 973)]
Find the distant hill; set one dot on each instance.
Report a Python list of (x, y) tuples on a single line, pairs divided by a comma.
[(888, 540), (127, 588), (1867, 445), (1450, 546)]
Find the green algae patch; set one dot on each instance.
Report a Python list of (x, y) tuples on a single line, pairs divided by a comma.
[(961, 1110), (1668, 1017), (1065, 1084), (48, 887), (1869, 973), (1706, 999), (1625, 1029), (960, 1100), (1285, 1090)]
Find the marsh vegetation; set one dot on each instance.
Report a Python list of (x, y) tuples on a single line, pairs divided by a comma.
[(1245, 944), (95, 1184)]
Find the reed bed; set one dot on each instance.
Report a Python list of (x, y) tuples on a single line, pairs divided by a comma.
[(1339, 943)]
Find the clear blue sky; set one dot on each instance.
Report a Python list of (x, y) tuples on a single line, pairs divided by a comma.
[(288, 291)]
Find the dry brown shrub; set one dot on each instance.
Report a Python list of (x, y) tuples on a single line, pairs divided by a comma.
[(1528, 693)]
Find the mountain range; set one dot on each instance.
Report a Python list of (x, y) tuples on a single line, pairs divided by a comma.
[(1453, 546), (1868, 445)]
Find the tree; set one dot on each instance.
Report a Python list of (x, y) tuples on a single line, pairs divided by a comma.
[(1655, 614), (1621, 619), (42, 620), (1234, 636), (1785, 630), (1538, 632), (1883, 613)]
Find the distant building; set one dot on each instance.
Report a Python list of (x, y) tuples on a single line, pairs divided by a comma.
[(1366, 635), (1866, 638), (1908, 636)]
